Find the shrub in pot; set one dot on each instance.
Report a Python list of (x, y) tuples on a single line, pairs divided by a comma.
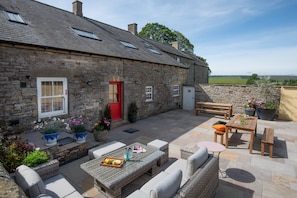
[(132, 112)]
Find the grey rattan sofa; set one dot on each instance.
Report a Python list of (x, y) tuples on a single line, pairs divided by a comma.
[(197, 176)]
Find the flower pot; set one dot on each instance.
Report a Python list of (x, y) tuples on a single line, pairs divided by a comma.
[(50, 139), (132, 118), (268, 114), (100, 136), (259, 112), (80, 137), (249, 112)]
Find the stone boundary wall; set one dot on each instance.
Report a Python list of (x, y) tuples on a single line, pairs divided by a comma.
[(238, 95)]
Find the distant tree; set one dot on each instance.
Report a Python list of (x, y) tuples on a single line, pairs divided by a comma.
[(184, 43), (202, 60), (252, 79), (158, 32), (163, 34)]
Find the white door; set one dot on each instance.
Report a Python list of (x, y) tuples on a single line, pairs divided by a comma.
[(188, 98)]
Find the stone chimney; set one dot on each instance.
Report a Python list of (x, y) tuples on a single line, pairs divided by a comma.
[(77, 8), (175, 44), (132, 28)]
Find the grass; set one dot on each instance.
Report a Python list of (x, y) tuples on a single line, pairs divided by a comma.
[(228, 80)]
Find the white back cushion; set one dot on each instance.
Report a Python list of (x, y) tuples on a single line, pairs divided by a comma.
[(195, 161), (168, 186), (29, 181)]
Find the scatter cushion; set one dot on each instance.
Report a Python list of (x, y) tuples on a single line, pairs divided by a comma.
[(195, 161), (168, 186), (219, 127), (29, 181), (220, 122)]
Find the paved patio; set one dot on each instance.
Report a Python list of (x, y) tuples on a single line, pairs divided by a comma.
[(244, 175)]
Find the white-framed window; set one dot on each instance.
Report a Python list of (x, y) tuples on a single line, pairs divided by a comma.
[(52, 97), (175, 90), (148, 93)]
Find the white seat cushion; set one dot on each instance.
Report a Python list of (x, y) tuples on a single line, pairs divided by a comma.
[(160, 144), (58, 186), (101, 150), (148, 186)]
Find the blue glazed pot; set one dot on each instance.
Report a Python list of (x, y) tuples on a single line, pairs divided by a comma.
[(249, 112), (51, 139), (80, 137)]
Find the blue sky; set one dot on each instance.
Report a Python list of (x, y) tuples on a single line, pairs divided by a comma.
[(237, 37)]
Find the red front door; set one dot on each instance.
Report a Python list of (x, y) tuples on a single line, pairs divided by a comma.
[(115, 100)]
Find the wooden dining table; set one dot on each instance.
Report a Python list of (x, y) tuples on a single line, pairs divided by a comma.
[(245, 123)]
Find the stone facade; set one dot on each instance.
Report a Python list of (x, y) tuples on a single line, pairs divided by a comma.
[(238, 95), (21, 65), (8, 188)]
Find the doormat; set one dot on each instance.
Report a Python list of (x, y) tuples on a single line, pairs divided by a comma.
[(64, 141), (131, 130)]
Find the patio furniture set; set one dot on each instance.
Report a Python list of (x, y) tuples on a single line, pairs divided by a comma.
[(196, 176), (249, 125)]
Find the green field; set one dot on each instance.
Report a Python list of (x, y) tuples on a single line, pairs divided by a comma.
[(228, 80)]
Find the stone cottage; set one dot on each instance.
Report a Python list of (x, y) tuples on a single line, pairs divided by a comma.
[(56, 63)]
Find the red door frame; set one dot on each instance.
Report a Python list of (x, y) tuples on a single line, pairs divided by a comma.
[(115, 100)]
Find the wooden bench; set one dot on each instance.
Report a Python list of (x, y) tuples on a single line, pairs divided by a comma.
[(267, 138), (215, 108)]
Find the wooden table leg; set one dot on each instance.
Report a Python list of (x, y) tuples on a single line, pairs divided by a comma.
[(252, 141), (227, 139)]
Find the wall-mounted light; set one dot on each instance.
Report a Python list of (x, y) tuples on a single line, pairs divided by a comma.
[(28, 76), (135, 81), (89, 82)]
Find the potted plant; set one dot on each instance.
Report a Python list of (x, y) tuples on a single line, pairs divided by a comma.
[(132, 112), (50, 130), (101, 128), (107, 113), (77, 126), (250, 107), (36, 158), (266, 108)]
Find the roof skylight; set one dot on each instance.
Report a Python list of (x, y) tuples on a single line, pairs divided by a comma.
[(127, 44), (154, 51), (85, 34), (14, 17)]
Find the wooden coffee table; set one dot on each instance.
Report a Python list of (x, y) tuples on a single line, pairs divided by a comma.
[(111, 180)]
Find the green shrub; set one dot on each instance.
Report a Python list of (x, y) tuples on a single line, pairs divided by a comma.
[(13, 151), (36, 158)]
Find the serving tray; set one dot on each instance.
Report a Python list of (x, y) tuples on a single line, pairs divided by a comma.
[(111, 162)]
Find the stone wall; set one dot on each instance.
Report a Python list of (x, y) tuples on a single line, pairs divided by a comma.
[(8, 188), (20, 67), (238, 95)]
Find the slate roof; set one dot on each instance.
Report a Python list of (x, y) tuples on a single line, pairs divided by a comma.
[(51, 27)]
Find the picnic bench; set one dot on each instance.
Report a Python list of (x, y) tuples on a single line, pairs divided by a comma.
[(215, 108), (267, 139)]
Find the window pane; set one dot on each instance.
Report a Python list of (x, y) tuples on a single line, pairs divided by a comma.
[(58, 88), (58, 103), (46, 105), (46, 87)]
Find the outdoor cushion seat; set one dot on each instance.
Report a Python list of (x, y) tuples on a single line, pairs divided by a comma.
[(162, 185), (32, 184), (189, 166), (103, 149)]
